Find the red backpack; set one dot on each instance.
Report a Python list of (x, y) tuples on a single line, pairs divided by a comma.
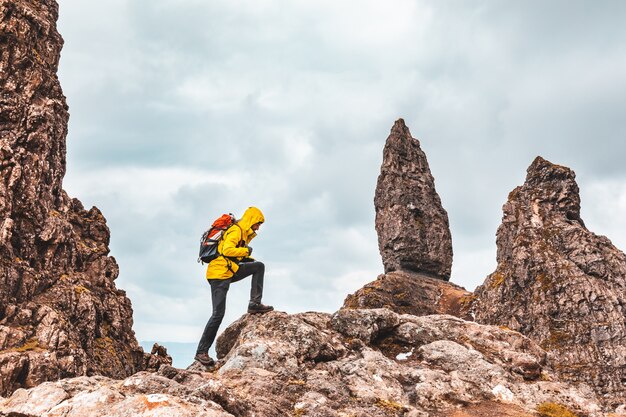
[(211, 238)]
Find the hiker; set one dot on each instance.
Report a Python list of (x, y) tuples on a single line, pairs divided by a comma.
[(231, 265)]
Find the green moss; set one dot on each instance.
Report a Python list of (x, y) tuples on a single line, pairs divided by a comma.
[(554, 410)]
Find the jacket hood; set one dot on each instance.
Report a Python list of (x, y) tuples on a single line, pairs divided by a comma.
[(251, 216)]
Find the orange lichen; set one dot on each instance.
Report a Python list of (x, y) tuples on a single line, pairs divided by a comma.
[(557, 339), (467, 299), (30, 345), (296, 382), (151, 405), (79, 289), (497, 279)]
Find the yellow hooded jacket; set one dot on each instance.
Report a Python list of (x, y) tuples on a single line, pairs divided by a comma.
[(234, 245)]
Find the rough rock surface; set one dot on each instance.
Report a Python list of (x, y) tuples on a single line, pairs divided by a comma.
[(60, 312), (412, 226), (560, 284), (412, 293), (354, 363)]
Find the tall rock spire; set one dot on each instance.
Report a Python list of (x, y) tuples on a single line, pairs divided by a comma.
[(60, 312), (413, 230), (559, 283)]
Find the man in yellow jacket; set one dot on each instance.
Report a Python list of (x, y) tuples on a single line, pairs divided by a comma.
[(233, 264)]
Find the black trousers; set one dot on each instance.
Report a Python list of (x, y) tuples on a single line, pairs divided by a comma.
[(219, 289)]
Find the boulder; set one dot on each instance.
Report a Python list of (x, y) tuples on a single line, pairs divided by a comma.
[(412, 293)]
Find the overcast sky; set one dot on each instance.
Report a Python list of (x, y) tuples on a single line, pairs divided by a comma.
[(182, 110)]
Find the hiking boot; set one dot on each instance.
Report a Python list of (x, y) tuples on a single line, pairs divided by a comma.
[(257, 308), (204, 359)]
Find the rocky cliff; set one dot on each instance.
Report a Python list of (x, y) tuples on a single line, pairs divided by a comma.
[(412, 226), (352, 363), (560, 284), (60, 312), (63, 320)]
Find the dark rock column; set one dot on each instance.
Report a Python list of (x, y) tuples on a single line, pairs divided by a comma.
[(60, 312), (413, 230), (559, 283)]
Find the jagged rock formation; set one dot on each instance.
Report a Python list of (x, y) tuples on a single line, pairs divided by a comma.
[(62, 316), (560, 284), (412, 293), (412, 226), (60, 313), (353, 363)]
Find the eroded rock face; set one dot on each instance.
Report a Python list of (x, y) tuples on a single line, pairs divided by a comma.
[(60, 312), (560, 284), (412, 293), (413, 230), (353, 363)]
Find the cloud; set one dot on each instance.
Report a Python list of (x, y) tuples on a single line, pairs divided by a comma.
[(182, 110)]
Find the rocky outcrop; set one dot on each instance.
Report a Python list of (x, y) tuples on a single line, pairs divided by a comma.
[(412, 226), (412, 293), (560, 284), (62, 318), (353, 363), (60, 312)]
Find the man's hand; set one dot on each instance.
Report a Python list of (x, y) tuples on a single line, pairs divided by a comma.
[(250, 250)]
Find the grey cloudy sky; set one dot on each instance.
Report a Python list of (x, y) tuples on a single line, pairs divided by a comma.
[(184, 109)]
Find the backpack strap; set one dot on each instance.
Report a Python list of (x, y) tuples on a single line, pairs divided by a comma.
[(241, 244)]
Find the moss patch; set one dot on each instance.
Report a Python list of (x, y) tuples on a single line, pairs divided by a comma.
[(30, 345), (104, 344), (389, 405), (79, 289), (467, 300), (496, 281), (554, 410)]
